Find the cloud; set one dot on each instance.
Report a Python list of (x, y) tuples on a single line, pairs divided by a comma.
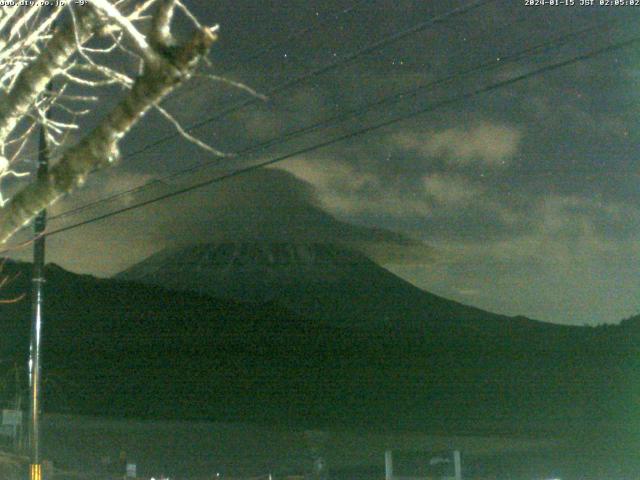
[(565, 266), (434, 205), (266, 205), (101, 247), (349, 191), (450, 190), (274, 205), (486, 143), (108, 183)]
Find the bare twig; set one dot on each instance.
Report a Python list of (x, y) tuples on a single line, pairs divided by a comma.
[(33, 79), (239, 85), (186, 135)]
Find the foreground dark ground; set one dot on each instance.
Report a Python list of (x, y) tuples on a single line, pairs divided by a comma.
[(92, 447)]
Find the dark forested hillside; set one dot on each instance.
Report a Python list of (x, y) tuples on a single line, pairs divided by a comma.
[(124, 349)]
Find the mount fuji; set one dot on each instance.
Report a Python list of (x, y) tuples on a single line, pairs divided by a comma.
[(316, 280)]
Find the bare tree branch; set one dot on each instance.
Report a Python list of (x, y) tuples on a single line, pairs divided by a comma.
[(33, 79), (139, 40), (163, 70)]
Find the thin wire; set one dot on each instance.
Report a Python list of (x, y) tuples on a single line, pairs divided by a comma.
[(415, 113), (322, 70), (334, 120)]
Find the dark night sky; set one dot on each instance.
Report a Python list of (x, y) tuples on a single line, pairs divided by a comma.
[(527, 196)]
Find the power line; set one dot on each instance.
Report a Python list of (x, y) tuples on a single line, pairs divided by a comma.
[(362, 131), (322, 70), (326, 16), (334, 120)]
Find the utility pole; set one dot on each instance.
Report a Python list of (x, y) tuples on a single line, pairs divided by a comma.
[(37, 300), (37, 303)]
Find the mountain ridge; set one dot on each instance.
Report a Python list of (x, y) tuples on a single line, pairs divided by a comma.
[(310, 278), (126, 349)]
